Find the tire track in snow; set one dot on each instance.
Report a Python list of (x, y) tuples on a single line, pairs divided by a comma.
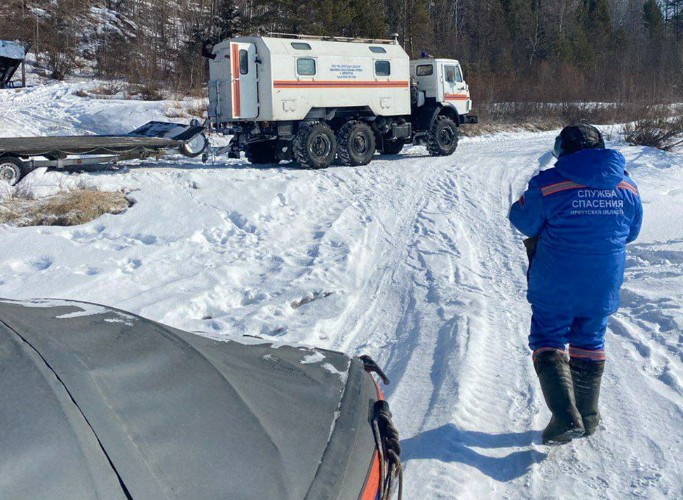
[(440, 275), (440, 301), (35, 111), (476, 341)]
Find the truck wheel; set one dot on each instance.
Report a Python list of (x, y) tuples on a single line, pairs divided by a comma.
[(356, 143), (315, 145), (443, 137), (261, 153), (11, 170), (393, 147)]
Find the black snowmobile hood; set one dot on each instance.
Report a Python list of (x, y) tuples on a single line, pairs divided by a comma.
[(98, 403), (596, 168)]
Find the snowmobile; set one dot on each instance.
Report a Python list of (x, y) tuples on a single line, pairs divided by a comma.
[(100, 403)]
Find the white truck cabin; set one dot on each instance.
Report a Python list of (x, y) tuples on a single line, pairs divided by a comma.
[(442, 80), (284, 79)]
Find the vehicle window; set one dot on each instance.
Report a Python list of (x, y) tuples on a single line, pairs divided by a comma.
[(305, 66), (424, 70), (450, 74), (382, 68), (244, 62), (301, 46), (458, 75), (378, 50)]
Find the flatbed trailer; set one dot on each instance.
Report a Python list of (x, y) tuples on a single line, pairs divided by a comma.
[(20, 155)]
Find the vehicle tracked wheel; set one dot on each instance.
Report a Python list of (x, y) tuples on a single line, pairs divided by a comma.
[(11, 170), (393, 147), (261, 153), (315, 145), (443, 137), (356, 143)]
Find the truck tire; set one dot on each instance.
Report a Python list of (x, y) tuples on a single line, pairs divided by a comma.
[(315, 145), (261, 153), (355, 143), (11, 170), (443, 137), (393, 147)]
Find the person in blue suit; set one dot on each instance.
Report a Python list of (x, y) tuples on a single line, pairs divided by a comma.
[(578, 216)]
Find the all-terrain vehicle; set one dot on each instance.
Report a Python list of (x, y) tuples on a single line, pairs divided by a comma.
[(316, 100)]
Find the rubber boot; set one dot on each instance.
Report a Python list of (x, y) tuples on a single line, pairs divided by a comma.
[(555, 376), (587, 376)]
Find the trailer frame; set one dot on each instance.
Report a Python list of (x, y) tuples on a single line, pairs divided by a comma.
[(19, 156)]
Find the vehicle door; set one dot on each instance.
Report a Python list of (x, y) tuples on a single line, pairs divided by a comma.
[(455, 90), (243, 80)]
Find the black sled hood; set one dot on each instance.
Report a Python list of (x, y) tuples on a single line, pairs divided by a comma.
[(98, 403)]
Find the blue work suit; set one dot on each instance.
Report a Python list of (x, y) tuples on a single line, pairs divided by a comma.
[(584, 211)]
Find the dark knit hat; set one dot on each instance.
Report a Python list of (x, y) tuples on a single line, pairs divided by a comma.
[(577, 137)]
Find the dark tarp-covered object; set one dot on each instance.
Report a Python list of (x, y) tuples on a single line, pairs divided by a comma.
[(98, 403)]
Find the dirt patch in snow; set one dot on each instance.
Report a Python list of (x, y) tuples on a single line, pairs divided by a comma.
[(68, 208)]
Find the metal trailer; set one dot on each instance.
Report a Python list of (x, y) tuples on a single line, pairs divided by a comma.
[(18, 156)]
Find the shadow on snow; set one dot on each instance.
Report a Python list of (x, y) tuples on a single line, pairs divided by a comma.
[(450, 444)]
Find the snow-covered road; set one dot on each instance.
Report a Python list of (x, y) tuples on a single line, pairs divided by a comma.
[(409, 259)]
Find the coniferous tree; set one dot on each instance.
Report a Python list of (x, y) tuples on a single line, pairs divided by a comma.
[(227, 20), (674, 10), (368, 19), (653, 19)]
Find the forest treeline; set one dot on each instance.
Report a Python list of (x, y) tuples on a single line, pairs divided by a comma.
[(512, 50)]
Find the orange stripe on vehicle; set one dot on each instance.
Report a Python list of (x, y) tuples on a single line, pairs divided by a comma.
[(629, 187), (456, 97), (236, 110), (238, 98), (233, 75), (374, 476), (380, 394), (560, 186), (332, 84), (372, 482)]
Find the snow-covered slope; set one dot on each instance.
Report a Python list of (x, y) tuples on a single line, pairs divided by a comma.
[(409, 259)]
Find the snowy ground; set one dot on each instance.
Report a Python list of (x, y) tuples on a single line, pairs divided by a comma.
[(409, 259)]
